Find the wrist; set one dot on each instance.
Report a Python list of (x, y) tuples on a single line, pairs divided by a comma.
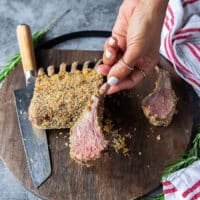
[(154, 10), (157, 6)]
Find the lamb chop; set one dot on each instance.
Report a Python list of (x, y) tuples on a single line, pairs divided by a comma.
[(86, 137), (160, 106)]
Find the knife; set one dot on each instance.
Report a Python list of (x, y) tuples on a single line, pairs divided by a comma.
[(34, 140)]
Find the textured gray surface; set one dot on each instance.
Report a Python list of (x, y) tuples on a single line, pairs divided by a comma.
[(83, 15)]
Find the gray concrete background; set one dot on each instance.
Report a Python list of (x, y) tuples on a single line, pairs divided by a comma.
[(83, 15)]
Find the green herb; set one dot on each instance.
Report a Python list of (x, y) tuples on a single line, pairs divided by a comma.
[(12, 61), (159, 197), (187, 159), (156, 197)]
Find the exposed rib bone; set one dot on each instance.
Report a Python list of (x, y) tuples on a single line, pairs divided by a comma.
[(41, 71), (62, 68), (98, 63), (50, 70), (86, 64), (74, 67)]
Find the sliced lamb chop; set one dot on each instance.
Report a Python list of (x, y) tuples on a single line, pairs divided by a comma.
[(86, 137), (160, 106)]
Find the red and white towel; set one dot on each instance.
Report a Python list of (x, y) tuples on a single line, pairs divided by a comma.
[(180, 43), (180, 39), (183, 184)]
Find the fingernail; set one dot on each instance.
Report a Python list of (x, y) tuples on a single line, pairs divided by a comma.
[(112, 80), (111, 41), (108, 54)]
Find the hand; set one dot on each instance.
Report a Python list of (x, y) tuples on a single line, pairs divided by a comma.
[(134, 43)]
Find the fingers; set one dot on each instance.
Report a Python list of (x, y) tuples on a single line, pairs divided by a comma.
[(109, 56), (121, 67), (129, 82), (103, 69), (123, 85), (110, 51), (125, 65), (111, 42)]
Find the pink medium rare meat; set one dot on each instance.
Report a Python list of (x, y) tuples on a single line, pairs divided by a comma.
[(86, 137), (160, 106)]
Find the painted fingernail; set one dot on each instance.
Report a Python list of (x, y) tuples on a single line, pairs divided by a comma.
[(111, 41), (112, 80), (108, 54)]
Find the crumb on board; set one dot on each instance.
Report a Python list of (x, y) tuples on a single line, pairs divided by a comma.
[(107, 128), (108, 125), (152, 129), (66, 144), (60, 133), (158, 137), (129, 135), (118, 141), (139, 153), (119, 144), (187, 130)]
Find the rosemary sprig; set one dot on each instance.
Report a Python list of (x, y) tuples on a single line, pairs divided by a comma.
[(187, 159), (156, 197), (12, 61)]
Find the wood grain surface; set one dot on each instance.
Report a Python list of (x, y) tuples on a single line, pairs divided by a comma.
[(114, 176)]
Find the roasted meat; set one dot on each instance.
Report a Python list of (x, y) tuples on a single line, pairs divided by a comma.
[(86, 137), (59, 99), (160, 106)]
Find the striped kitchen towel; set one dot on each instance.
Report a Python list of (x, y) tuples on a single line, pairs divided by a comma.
[(183, 184), (180, 39)]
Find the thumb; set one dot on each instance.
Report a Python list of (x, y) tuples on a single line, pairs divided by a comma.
[(125, 65)]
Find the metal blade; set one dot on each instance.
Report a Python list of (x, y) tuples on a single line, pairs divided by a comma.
[(34, 140)]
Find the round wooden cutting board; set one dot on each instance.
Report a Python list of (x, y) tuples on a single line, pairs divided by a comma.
[(114, 176)]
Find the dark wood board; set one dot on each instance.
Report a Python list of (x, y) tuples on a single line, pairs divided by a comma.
[(114, 176)]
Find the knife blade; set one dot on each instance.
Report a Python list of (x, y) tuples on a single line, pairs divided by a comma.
[(34, 140)]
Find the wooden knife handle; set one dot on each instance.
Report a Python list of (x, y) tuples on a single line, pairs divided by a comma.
[(25, 43)]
